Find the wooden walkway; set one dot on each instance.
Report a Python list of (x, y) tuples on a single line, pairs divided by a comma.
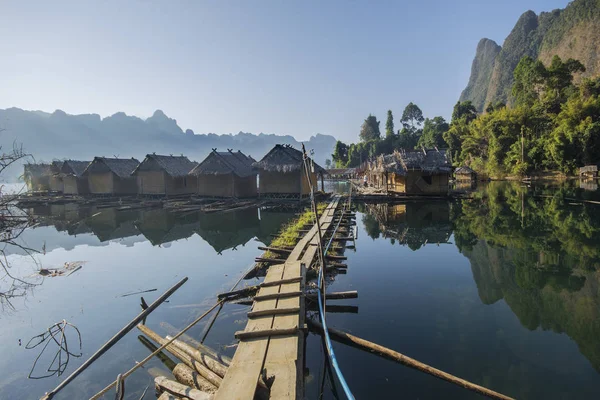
[(273, 339)]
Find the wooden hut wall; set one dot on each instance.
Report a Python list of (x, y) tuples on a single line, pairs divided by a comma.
[(245, 187), (124, 185), (56, 183), (212, 185), (418, 182), (151, 182), (101, 182), (181, 184), (279, 182), (396, 183), (75, 185), (38, 183)]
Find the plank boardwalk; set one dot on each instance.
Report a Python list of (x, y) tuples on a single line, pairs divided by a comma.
[(280, 355)]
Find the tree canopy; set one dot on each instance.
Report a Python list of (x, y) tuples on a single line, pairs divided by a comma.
[(370, 129), (389, 124)]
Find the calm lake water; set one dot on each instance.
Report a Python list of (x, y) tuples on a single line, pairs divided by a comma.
[(502, 289)]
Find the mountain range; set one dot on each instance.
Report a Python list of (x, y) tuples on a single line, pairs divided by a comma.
[(572, 32), (58, 135)]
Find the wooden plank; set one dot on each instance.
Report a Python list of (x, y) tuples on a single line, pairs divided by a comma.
[(280, 295), (274, 311), (242, 376)]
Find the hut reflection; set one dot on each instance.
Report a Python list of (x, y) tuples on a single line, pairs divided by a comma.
[(411, 224)]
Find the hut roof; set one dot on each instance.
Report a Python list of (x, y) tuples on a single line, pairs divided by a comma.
[(284, 158), (464, 170), (431, 161), (74, 167), (173, 165), (122, 167), (227, 162), (37, 170)]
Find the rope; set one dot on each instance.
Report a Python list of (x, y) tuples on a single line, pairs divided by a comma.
[(321, 290)]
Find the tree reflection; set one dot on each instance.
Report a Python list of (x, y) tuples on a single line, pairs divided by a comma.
[(538, 250)]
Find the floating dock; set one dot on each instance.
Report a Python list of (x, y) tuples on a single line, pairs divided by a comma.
[(273, 339)]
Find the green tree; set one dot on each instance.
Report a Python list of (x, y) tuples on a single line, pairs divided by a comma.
[(370, 129), (464, 110), (328, 163), (528, 83), (389, 125), (340, 154), (412, 118), (433, 133)]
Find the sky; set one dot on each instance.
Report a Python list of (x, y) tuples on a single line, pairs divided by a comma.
[(284, 67)]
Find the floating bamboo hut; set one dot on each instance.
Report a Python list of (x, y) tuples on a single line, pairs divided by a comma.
[(56, 180), (465, 174), (281, 173), (589, 171), (72, 176), (226, 174), (111, 176), (37, 177), (411, 172), (165, 175)]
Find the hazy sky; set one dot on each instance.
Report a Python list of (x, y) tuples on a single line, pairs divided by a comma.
[(287, 67)]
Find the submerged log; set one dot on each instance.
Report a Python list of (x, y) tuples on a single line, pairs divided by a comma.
[(208, 361), (374, 348), (168, 396), (181, 390), (170, 364), (187, 376), (214, 379), (202, 348)]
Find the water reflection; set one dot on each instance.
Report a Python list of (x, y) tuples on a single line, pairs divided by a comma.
[(534, 247), (223, 231), (411, 224)]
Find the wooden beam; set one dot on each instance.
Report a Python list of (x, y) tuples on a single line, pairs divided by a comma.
[(242, 335), (274, 296), (273, 311)]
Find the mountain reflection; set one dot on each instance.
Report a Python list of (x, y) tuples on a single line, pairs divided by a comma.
[(536, 248), (160, 227)]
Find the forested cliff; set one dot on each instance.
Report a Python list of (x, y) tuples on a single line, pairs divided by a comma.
[(573, 32)]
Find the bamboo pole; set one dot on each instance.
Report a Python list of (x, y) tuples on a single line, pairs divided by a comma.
[(405, 360), (187, 376), (145, 360), (115, 339), (214, 379), (181, 390), (208, 361)]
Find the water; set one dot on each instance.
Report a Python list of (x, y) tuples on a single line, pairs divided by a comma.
[(502, 289)]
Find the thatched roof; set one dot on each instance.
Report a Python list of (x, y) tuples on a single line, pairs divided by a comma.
[(122, 167), (74, 167), (31, 170), (284, 158), (175, 166), (432, 161), (226, 162), (464, 170)]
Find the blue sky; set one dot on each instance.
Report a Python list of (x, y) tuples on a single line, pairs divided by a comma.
[(286, 67)]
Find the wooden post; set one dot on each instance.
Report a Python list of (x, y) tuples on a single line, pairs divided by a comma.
[(322, 184)]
